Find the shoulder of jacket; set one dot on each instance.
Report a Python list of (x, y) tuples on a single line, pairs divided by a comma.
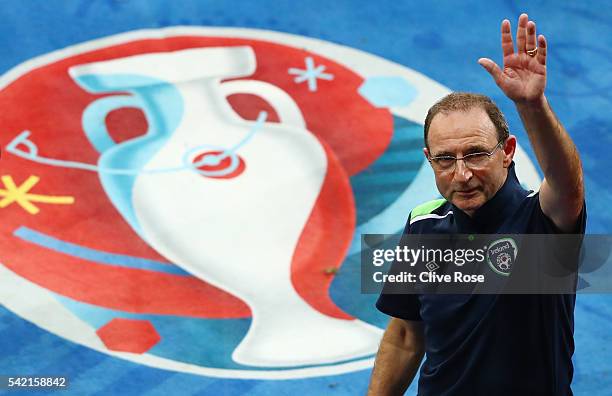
[(426, 208)]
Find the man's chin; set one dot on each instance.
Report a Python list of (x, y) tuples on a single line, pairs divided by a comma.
[(468, 204)]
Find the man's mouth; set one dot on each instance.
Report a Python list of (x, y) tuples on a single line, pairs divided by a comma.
[(467, 192)]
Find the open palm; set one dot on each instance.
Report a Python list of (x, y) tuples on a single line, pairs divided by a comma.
[(523, 77)]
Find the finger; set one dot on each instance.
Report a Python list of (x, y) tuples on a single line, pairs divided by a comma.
[(492, 68), (531, 36), (506, 37), (542, 49), (521, 33)]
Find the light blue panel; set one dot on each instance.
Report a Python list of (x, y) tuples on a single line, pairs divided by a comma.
[(388, 91)]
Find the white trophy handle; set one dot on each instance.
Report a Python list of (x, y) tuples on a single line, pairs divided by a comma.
[(286, 108)]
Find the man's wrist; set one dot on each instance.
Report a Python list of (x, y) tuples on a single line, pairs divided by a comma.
[(537, 105)]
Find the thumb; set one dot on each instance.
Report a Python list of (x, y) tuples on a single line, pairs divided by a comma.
[(492, 68)]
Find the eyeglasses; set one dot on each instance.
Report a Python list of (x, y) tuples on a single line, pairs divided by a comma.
[(447, 163)]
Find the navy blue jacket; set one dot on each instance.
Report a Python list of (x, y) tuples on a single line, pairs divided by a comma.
[(491, 344)]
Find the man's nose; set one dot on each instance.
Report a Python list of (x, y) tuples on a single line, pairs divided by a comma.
[(462, 172)]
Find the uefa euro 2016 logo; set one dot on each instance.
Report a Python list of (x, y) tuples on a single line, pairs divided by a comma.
[(192, 198)]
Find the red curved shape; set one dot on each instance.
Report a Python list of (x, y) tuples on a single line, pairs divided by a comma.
[(325, 239), (222, 165)]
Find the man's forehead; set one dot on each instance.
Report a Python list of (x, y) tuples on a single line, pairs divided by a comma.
[(462, 125)]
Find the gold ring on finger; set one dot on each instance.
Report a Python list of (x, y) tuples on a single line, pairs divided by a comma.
[(532, 52)]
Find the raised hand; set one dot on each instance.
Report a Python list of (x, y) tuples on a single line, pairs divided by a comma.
[(523, 77)]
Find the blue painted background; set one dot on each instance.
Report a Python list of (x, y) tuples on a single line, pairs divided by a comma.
[(442, 39)]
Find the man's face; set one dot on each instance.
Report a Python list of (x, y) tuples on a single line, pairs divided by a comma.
[(460, 133)]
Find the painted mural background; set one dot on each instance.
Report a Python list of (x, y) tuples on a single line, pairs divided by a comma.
[(184, 184)]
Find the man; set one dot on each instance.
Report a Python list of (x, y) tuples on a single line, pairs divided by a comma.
[(489, 344)]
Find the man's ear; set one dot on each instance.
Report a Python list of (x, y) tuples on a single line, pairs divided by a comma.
[(426, 152), (509, 150)]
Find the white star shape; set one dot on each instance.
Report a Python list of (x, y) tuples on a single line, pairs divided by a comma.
[(311, 74)]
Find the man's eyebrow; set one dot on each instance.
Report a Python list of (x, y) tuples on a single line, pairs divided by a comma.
[(473, 148), (476, 148), (444, 154)]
